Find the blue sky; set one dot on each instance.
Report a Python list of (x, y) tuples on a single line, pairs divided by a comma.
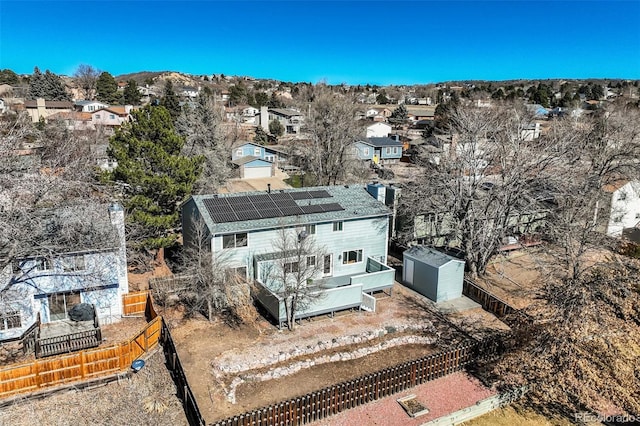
[(358, 42)]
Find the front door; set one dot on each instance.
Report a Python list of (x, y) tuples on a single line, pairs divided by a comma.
[(328, 265)]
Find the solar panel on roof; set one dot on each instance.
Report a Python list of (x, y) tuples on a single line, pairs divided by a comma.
[(286, 203), (265, 205), (280, 196), (312, 208), (320, 194), (331, 207), (224, 217), (234, 201), (290, 211), (243, 207), (269, 213), (260, 198), (302, 195), (248, 215)]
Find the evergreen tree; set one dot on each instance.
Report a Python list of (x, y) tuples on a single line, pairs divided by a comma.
[(399, 116), (170, 101), (7, 76), (107, 88), (131, 94), (260, 99), (276, 128), (155, 177), (261, 136), (275, 102), (48, 86)]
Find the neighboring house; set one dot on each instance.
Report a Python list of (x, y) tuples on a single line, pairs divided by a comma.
[(88, 106), (268, 153), (74, 120), (113, 116), (416, 114), (531, 132), (624, 214), (290, 119), (378, 130), (351, 226), (3, 106), (251, 167), (41, 109), (250, 115), (190, 92), (50, 285), (433, 274), (379, 150)]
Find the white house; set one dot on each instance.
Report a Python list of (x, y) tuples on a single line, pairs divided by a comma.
[(89, 106), (113, 116), (624, 215), (49, 283), (378, 130), (531, 132), (3, 106)]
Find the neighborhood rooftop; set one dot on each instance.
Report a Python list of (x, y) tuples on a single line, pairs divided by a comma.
[(382, 141), (262, 210)]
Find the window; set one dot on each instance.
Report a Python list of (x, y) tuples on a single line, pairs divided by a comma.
[(234, 240), (395, 149), (73, 263), (10, 319), (351, 256), (622, 196), (43, 264), (97, 116), (256, 152), (388, 150), (311, 261), (111, 116), (239, 152), (337, 226), (236, 273), (291, 267), (310, 229), (60, 304), (366, 151)]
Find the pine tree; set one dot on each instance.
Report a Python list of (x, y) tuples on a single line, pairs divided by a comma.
[(131, 94), (170, 101), (107, 88), (155, 177), (399, 116), (48, 86)]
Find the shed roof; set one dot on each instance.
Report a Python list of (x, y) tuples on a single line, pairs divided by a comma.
[(430, 256)]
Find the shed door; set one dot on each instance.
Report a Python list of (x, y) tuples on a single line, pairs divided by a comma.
[(407, 271)]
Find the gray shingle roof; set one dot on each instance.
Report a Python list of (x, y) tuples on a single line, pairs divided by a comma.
[(382, 142), (430, 256), (355, 200)]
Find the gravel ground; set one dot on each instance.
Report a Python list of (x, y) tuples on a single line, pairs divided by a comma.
[(441, 396)]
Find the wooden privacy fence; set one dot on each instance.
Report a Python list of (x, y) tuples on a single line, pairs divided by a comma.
[(350, 394), (184, 392), (83, 365), (488, 301), (134, 304)]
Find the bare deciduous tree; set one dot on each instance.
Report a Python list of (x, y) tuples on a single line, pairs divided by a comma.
[(333, 131), (290, 275), (86, 77), (201, 127)]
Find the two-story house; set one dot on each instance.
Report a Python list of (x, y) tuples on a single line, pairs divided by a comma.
[(624, 215), (88, 106), (379, 150), (50, 283), (291, 119), (350, 226), (42, 109), (112, 116), (270, 153)]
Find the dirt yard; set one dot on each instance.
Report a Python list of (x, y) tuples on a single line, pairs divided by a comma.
[(147, 398), (205, 347)]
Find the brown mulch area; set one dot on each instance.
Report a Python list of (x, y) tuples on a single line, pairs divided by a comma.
[(147, 398)]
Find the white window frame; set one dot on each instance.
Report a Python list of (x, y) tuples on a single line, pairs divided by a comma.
[(310, 229), (10, 320), (338, 226), (73, 263), (358, 256), (43, 264), (256, 152), (366, 151), (388, 150), (239, 152), (311, 260), (235, 240)]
